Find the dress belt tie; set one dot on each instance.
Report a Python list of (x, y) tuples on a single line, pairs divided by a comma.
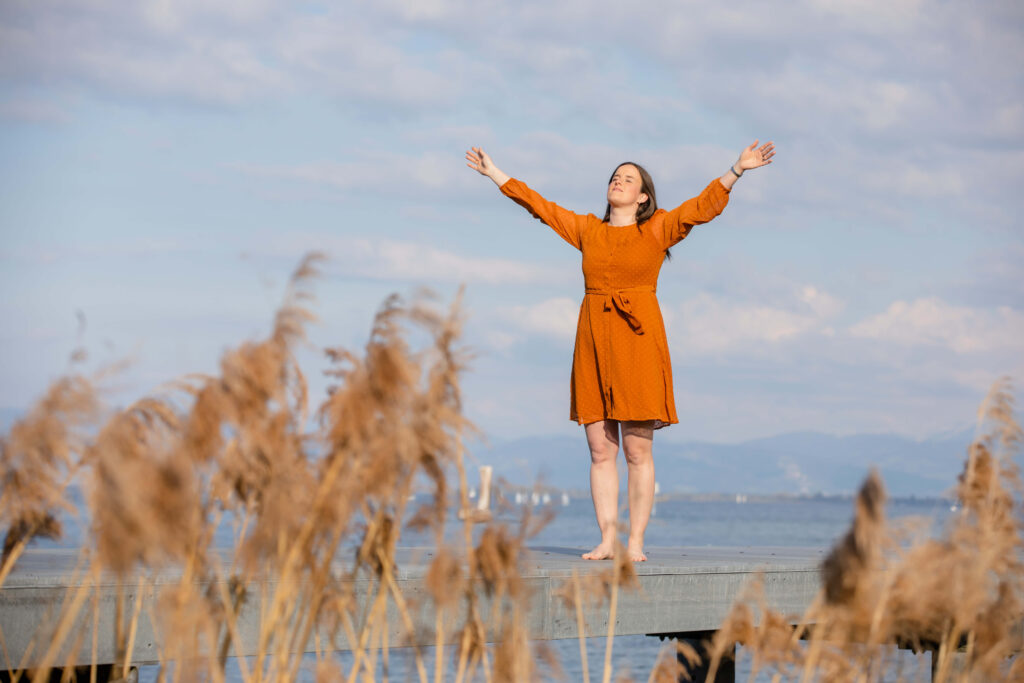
[(622, 303)]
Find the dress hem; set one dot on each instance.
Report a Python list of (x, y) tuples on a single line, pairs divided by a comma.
[(658, 422)]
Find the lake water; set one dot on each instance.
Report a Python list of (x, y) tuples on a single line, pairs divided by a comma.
[(797, 522)]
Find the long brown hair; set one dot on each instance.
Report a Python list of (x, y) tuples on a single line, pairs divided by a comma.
[(646, 209)]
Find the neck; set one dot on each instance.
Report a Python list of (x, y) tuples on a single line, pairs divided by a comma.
[(622, 215)]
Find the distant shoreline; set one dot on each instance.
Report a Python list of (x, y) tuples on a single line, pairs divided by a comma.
[(788, 497), (739, 497)]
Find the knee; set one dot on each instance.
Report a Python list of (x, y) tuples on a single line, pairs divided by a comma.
[(637, 455), (603, 453)]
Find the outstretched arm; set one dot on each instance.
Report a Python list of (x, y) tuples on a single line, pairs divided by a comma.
[(478, 160), (710, 202), (751, 157), (567, 224)]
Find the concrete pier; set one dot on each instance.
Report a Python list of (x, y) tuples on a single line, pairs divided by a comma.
[(682, 591)]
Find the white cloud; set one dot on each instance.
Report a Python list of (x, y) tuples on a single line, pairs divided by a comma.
[(823, 304), (215, 54), (499, 340), (781, 71), (915, 180), (375, 172), (553, 317), (705, 323), (713, 324), (799, 61), (933, 322), (403, 260), (411, 261)]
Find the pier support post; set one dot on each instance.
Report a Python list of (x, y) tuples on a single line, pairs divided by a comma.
[(726, 672), (105, 673)]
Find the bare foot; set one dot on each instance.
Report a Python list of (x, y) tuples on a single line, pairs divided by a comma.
[(636, 553), (605, 551)]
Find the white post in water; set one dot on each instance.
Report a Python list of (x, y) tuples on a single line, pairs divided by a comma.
[(482, 511), (484, 502)]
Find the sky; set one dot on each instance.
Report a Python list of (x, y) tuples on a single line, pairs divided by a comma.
[(165, 164)]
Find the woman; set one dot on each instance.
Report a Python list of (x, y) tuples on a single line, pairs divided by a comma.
[(621, 372)]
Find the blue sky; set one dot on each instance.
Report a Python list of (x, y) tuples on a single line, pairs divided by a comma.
[(165, 164)]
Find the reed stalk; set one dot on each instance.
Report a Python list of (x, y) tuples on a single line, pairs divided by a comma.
[(580, 626), (133, 626), (64, 627), (403, 611), (12, 558), (438, 644), (612, 608), (385, 659), (233, 599), (364, 634), (95, 635), (460, 670)]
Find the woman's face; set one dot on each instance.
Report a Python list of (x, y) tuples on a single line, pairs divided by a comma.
[(624, 190)]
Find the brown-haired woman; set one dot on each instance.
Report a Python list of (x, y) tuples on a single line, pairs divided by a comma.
[(621, 372)]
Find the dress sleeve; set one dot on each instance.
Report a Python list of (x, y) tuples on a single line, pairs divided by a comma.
[(701, 209), (567, 224)]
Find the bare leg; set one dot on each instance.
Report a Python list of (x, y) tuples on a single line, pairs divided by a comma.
[(637, 442), (603, 439)]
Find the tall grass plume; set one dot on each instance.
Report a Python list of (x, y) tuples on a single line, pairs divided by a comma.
[(318, 495)]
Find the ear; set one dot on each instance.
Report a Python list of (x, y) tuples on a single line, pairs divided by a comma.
[(643, 198)]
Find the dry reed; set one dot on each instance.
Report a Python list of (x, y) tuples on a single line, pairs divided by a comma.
[(317, 508), (38, 456), (164, 472), (960, 595)]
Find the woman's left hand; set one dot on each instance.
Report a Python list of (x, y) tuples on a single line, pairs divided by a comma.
[(755, 156)]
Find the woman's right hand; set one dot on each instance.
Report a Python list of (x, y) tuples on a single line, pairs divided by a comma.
[(478, 160)]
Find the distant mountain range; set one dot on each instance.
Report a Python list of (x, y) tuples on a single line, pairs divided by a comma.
[(800, 463), (804, 463)]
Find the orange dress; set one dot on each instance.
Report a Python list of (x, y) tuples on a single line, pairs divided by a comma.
[(620, 366)]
